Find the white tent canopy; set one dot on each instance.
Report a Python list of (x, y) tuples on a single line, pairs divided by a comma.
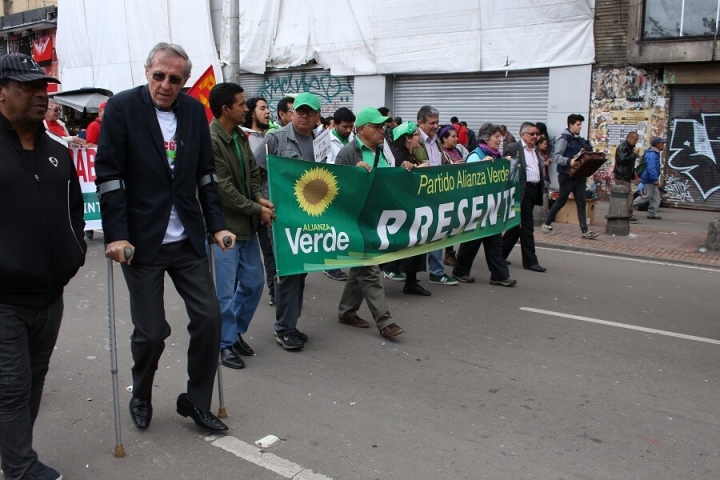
[(415, 36), (105, 44)]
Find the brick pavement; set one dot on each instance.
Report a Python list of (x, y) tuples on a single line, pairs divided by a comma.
[(676, 238)]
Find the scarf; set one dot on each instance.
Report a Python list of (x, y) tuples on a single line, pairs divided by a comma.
[(488, 151), (57, 129)]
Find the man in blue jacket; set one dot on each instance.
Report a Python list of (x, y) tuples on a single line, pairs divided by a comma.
[(650, 178)]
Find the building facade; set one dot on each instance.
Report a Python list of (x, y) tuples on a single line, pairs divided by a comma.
[(657, 72)]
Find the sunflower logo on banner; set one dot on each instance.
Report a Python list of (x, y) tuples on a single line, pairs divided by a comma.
[(315, 190)]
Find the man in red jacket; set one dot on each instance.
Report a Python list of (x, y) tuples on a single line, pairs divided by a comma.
[(92, 135)]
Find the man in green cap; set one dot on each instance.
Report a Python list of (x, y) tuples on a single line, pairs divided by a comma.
[(366, 282), (294, 140)]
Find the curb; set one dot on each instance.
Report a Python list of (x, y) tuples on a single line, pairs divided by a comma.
[(573, 248)]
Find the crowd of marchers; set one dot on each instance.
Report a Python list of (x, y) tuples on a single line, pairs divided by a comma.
[(171, 188)]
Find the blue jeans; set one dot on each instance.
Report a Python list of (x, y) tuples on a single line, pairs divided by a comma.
[(435, 262), (27, 339), (243, 264)]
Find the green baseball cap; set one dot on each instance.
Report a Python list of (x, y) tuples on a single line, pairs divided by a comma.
[(405, 128), (307, 99), (369, 115)]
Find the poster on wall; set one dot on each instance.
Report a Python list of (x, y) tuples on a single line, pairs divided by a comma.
[(84, 159), (624, 122)]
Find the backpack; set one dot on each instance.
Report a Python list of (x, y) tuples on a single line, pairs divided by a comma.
[(641, 166)]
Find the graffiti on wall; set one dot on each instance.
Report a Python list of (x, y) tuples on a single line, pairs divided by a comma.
[(694, 149), (623, 100), (334, 92), (676, 190)]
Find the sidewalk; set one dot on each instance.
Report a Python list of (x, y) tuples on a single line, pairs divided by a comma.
[(676, 238)]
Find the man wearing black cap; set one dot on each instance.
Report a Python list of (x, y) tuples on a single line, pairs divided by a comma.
[(43, 247)]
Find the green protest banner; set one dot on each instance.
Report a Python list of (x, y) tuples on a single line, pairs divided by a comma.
[(335, 216)]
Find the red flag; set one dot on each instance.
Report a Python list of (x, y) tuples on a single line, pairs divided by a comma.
[(201, 90)]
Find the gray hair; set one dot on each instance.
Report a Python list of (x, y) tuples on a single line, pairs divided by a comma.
[(486, 131), (425, 112), (526, 126), (169, 49)]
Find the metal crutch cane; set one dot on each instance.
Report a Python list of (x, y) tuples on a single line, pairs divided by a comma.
[(119, 450), (227, 241)]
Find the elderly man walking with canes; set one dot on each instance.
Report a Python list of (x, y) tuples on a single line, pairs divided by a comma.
[(158, 194)]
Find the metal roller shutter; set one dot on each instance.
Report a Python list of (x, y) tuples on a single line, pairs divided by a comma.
[(692, 173), (334, 91), (476, 98)]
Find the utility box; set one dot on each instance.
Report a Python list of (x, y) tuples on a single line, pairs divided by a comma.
[(568, 214)]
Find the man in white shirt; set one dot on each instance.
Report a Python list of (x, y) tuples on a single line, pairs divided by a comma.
[(532, 182)]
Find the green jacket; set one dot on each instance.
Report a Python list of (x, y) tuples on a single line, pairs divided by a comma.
[(239, 187), (421, 153)]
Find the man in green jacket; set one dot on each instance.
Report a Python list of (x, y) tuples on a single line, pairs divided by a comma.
[(243, 205)]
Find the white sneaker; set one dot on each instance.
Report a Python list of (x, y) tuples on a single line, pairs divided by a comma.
[(590, 235), (548, 229)]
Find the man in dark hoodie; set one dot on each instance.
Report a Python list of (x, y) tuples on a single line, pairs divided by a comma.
[(43, 248)]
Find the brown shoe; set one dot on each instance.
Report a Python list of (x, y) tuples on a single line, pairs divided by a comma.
[(355, 321), (391, 330)]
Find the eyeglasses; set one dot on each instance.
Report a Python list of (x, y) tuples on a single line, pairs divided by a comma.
[(34, 85), (160, 77), (306, 112), (382, 126), (534, 134), (56, 110)]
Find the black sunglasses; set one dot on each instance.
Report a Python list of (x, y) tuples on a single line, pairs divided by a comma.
[(160, 77)]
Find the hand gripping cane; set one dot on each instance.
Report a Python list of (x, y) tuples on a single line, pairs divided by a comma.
[(119, 450), (227, 241)]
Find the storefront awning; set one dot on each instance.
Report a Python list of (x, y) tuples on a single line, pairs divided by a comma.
[(87, 99)]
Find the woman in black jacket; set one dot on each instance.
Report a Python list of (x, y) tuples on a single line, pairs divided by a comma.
[(406, 138)]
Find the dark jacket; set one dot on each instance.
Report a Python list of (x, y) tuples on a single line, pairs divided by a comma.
[(625, 158), (350, 154), (516, 150), (41, 238), (566, 147), (132, 149), (239, 187)]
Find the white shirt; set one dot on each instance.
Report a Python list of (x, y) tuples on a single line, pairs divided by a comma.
[(532, 170), (434, 154), (168, 125)]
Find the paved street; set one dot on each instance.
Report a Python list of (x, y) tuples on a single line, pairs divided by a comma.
[(478, 386)]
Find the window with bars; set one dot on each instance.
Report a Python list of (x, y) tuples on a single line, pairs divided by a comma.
[(680, 18)]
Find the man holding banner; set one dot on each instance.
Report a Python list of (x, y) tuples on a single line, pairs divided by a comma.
[(292, 141), (366, 282)]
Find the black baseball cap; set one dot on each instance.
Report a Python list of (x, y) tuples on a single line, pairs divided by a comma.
[(22, 68)]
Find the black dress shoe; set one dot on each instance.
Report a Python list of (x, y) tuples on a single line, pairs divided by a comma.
[(536, 268), (243, 348), (140, 412), (205, 420), (230, 358), (415, 290)]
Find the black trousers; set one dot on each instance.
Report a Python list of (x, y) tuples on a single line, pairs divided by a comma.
[(493, 256), (190, 274), (577, 187), (265, 238), (525, 230)]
